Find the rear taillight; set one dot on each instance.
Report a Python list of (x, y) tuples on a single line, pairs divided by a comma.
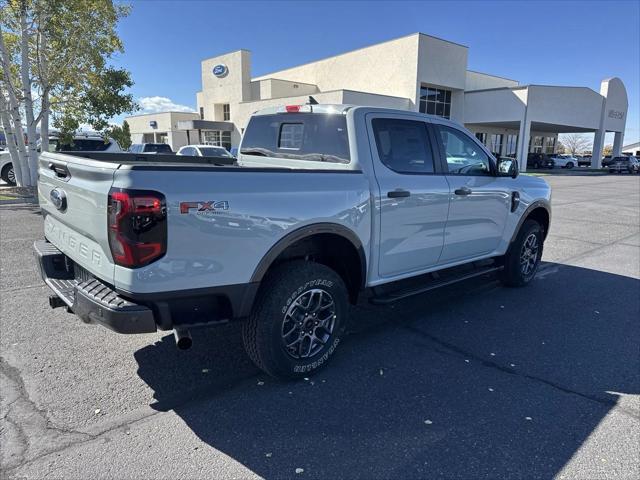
[(137, 224)]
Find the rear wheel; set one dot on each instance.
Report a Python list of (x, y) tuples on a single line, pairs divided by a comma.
[(298, 320), (523, 257), (8, 174), (570, 165)]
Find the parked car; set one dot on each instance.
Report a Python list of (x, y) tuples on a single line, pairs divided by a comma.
[(584, 160), (606, 161), (204, 151), (6, 168), (623, 164), (85, 142), (539, 160), (150, 148), (326, 201), (564, 161)]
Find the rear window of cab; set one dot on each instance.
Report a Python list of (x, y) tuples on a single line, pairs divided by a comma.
[(314, 137)]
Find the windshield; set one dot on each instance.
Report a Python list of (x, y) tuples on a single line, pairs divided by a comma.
[(214, 152), (157, 148)]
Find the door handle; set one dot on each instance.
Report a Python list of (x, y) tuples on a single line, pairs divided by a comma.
[(399, 193), (464, 191)]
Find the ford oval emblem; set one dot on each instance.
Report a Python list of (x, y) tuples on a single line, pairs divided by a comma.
[(220, 70), (59, 199)]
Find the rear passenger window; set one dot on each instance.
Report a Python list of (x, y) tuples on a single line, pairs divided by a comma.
[(318, 137), (403, 145)]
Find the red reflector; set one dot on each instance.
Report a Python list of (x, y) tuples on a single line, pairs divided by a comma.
[(292, 108)]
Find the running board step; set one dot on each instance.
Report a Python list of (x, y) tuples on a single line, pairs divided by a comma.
[(394, 296)]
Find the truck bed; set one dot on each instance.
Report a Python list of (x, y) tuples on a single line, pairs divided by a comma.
[(127, 158)]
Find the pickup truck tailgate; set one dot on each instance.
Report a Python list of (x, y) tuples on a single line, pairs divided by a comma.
[(73, 194)]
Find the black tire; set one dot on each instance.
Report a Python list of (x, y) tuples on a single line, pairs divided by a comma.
[(514, 273), (280, 305), (536, 165), (8, 174), (570, 165)]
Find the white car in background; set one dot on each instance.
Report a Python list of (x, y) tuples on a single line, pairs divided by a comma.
[(6, 168), (204, 151), (565, 161)]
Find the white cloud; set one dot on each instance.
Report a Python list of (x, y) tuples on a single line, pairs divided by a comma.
[(161, 104)]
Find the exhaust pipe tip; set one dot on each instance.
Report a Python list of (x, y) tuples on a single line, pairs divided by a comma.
[(183, 339)]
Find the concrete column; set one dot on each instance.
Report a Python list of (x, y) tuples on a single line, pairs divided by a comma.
[(617, 143), (523, 143), (596, 151), (503, 146)]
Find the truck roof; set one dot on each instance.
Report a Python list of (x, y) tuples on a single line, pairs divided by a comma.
[(343, 109)]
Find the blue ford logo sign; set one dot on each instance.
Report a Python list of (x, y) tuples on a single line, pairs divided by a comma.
[(220, 70), (59, 199)]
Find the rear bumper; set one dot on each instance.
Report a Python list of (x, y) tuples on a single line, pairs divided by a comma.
[(125, 312), (90, 299)]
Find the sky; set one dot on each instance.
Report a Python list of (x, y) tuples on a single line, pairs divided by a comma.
[(576, 43)]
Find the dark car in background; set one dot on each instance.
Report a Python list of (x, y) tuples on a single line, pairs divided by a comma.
[(539, 160), (606, 161), (584, 160), (622, 164), (150, 148)]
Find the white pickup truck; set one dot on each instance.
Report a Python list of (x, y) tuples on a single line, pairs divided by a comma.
[(324, 203)]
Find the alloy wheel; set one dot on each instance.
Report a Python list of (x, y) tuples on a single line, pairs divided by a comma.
[(309, 323), (529, 254)]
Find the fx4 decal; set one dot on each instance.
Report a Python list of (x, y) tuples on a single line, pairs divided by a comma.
[(204, 207)]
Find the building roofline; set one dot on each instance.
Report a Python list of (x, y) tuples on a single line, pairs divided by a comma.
[(284, 80), (418, 34), (516, 87), (520, 87), (327, 91), (225, 53), (159, 113), (492, 75)]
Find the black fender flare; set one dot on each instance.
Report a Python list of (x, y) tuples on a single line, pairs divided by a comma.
[(537, 204), (305, 232)]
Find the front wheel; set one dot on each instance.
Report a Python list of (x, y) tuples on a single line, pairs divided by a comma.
[(297, 321), (523, 257)]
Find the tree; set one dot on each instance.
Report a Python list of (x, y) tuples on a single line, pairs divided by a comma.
[(607, 150), (575, 142), (122, 135), (54, 56)]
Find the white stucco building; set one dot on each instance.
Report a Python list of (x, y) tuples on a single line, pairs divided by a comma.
[(417, 72)]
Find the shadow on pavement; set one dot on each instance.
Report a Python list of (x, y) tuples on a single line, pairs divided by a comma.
[(472, 381)]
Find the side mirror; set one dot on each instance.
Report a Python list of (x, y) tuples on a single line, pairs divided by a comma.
[(507, 167)]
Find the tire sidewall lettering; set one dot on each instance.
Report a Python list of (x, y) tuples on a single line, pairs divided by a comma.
[(307, 285), (309, 367)]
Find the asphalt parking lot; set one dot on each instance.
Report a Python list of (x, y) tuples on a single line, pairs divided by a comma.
[(474, 381)]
